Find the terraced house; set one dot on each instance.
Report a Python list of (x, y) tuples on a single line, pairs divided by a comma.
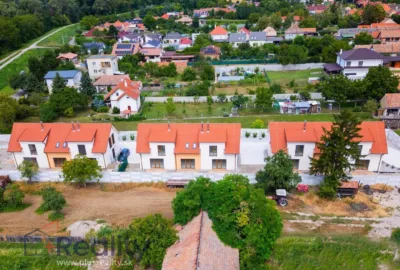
[(49, 145), (201, 147)]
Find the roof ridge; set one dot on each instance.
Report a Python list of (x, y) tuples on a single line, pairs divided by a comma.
[(200, 237)]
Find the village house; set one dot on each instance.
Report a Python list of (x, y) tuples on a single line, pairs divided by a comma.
[(316, 9), (219, 34), (245, 31), (389, 48), (389, 36), (389, 111), (185, 20), (152, 44), (299, 140), (129, 37), (204, 12), (71, 77), (211, 51), (237, 38), (185, 43), (257, 39), (172, 40), (122, 49), (106, 81), (68, 57), (49, 145), (354, 63), (151, 54), (184, 146), (125, 96), (99, 65), (270, 32), (199, 247)]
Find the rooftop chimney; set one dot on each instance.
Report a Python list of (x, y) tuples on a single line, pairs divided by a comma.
[(208, 126), (79, 127), (41, 126), (169, 126), (305, 125), (73, 128), (202, 130)]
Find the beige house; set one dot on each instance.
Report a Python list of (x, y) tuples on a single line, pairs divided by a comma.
[(270, 32)]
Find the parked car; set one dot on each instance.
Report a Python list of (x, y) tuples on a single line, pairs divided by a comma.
[(124, 154)]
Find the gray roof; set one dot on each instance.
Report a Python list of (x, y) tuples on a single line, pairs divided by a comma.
[(173, 35), (237, 37), (66, 74), (274, 38), (99, 56), (360, 54), (258, 36)]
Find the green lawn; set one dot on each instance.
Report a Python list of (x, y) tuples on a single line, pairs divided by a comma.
[(12, 257), (61, 37), (397, 131), (300, 77), (18, 65), (317, 252), (7, 90)]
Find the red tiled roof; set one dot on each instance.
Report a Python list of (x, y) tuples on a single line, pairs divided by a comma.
[(111, 80), (218, 30), (59, 133), (165, 16), (244, 30), (67, 55), (151, 51), (199, 248), (186, 135), (186, 41), (283, 132), (390, 101), (129, 87)]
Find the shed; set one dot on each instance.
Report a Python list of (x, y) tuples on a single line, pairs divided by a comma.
[(347, 189)]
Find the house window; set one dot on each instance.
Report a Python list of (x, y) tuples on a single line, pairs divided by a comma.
[(157, 163), (109, 142), (59, 162), (213, 150), (117, 94), (113, 153), (187, 164), (360, 63), (362, 165), (295, 163), (350, 74), (112, 137), (360, 149), (32, 149), (299, 151), (82, 149), (219, 163), (348, 63), (161, 150), (31, 159)]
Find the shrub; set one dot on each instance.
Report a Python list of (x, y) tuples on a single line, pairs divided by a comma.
[(293, 97), (291, 84), (258, 123), (254, 135), (103, 109), (69, 112), (115, 110), (132, 136), (247, 134), (357, 109), (304, 94), (55, 216), (263, 135), (396, 235), (124, 138), (13, 195), (327, 192)]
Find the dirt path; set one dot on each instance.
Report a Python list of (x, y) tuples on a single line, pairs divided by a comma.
[(117, 208)]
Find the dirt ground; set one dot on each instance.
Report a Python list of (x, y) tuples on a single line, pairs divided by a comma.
[(116, 207)]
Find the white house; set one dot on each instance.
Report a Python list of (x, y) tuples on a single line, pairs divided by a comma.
[(125, 96), (200, 147), (172, 40), (257, 39), (99, 65), (219, 34), (71, 77), (299, 140), (49, 145), (237, 38)]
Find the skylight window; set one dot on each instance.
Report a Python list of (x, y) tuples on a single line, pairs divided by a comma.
[(187, 146), (64, 144), (194, 146), (57, 144)]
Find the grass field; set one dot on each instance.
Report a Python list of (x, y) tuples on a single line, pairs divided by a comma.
[(397, 131), (61, 37), (18, 65), (335, 252), (300, 77)]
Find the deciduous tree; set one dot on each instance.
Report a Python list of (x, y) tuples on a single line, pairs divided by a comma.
[(379, 81), (264, 98), (28, 169), (81, 170)]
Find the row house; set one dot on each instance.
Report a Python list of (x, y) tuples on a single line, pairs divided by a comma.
[(49, 145), (299, 141), (184, 146)]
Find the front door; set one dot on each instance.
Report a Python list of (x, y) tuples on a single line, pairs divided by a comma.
[(129, 108)]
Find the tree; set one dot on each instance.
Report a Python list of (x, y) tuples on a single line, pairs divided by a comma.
[(170, 106), (379, 81), (363, 38), (53, 200), (170, 70), (9, 112), (32, 84), (262, 23), (89, 21), (242, 216), (336, 87), (338, 145), (275, 21), (150, 22), (238, 100), (9, 35), (258, 123), (28, 169), (37, 68), (232, 28), (87, 88), (68, 98), (81, 170), (189, 74), (278, 173), (373, 14), (208, 73), (292, 54), (264, 98), (371, 106), (221, 97), (152, 236), (48, 113), (59, 83), (17, 81), (13, 195), (112, 32)]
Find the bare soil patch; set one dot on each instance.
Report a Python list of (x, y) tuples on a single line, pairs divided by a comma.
[(117, 207)]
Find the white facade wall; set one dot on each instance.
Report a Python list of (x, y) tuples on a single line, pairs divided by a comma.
[(124, 103), (304, 160), (257, 43), (41, 156), (96, 70), (354, 71), (154, 59), (108, 156), (169, 158), (71, 82), (206, 159), (219, 37), (292, 36)]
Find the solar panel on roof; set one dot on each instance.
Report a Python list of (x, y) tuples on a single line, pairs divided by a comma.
[(123, 46)]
